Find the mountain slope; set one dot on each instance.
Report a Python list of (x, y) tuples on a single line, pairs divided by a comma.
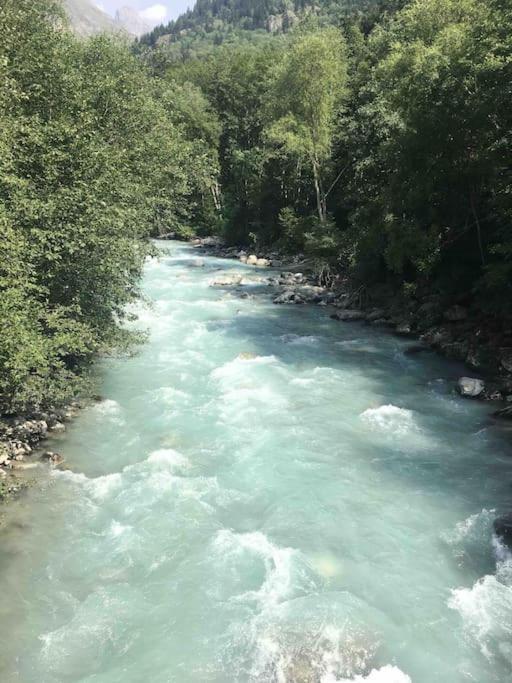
[(86, 19), (218, 17)]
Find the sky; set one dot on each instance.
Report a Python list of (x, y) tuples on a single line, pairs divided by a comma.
[(154, 11)]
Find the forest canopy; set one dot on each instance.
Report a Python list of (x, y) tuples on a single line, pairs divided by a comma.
[(374, 136), (95, 156)]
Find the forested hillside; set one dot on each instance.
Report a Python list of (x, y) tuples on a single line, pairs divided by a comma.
[(374, 138), (94, 156), (382, 148), (217, 20)]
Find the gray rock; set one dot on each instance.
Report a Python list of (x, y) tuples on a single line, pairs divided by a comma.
[(403, 328), (310, 292), (289, 296), (470, 387), (227, 280), (52, 458)]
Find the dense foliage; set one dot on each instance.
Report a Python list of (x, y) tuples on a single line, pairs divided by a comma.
[(94, 157), (382, 146), (375, 136)]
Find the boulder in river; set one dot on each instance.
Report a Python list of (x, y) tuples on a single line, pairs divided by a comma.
[(404, 328), (289, 296), (252, 260), (52, 458), (470, 387), (227, 280)]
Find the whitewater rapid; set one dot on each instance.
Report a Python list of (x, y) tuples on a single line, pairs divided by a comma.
[(262, 495)]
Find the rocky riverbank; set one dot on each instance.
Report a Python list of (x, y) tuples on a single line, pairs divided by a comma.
[(456, 330), (22, 446)]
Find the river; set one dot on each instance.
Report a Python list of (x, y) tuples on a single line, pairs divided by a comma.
[(262, 495)]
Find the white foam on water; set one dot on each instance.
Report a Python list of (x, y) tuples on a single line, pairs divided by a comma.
[(170, 458), (477, 525), (390, 418), (302, 381), (486, 608), (117, 529), (98, 488), (234, 368), (278, 584), (169, 395)]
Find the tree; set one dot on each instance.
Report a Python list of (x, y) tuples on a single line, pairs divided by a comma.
[(305, 100)]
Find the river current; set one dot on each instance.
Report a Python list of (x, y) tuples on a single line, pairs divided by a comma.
[(262, 495)]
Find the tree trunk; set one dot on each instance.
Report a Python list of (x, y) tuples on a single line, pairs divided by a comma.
[(320, 196)]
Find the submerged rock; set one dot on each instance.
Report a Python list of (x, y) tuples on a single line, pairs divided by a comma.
[(470, 387)]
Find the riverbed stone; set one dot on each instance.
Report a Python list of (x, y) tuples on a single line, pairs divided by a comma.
[(404, 328), (289, 296), (52, 458), (252, 260), (227, 280), (470, 387)]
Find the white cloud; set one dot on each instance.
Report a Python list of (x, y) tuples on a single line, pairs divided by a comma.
[(155, 13)]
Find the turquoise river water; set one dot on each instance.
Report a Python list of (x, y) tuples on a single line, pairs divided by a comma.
[(262, 495)]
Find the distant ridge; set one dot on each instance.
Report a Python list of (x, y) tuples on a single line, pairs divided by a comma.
[(87, 19)]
